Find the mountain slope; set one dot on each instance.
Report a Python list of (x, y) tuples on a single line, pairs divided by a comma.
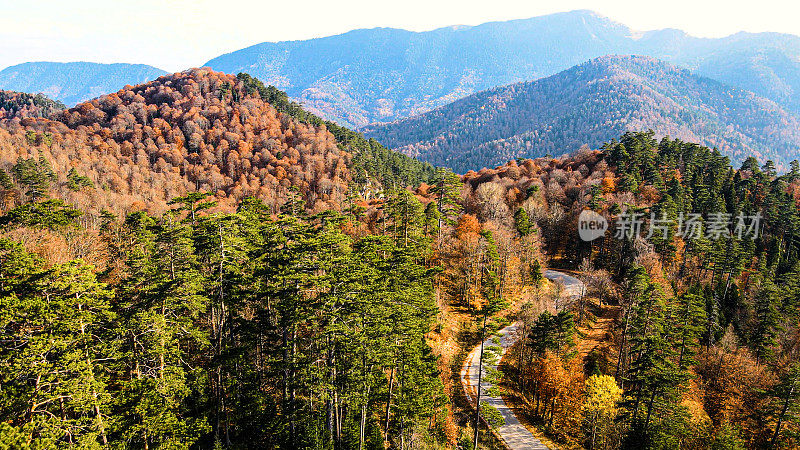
[(765, 63), (74, 82), (381, 75), (586, 105), (197, 130)]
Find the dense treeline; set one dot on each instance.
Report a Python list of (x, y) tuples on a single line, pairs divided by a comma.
[(202, 130), (712, 309), (19, 104), (693, 317), (703, 353), (369, 157), (588, 103), (257, 323), (243, 328), (248, 329)]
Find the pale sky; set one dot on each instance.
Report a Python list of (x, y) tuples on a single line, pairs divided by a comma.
[(176, 34)]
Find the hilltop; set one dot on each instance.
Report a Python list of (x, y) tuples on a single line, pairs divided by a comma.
[(586, 104), (198, 130)]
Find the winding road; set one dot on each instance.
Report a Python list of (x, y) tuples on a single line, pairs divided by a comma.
[(513, 434)]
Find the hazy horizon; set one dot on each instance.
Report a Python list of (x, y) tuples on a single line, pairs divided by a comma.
[(155, 34)]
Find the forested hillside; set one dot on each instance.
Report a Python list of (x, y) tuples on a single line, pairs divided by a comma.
[(197, 130), (586, 104), (74, 82), (220, 319), (281, 326), (685, 338), (198, 262), (370, 158), (19, 104), (764, 63)]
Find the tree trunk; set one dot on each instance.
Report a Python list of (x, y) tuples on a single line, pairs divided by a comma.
[(364, 411), (293, 394), (621, 355), (785, 408), (521, 357), (650, 407), (101, 426), (337, 413), (389, 403)]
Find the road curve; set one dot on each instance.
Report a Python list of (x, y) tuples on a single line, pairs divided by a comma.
[(513, 434), (573, 287)]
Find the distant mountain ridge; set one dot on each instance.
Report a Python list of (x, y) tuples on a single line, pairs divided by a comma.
[(377, 75), (380, 75), (589, 103), (75, 82)]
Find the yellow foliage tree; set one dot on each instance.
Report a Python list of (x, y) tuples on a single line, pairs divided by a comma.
[(600, 406)]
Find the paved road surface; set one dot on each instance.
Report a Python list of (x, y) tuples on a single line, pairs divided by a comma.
[(572, 286), (513, 433)]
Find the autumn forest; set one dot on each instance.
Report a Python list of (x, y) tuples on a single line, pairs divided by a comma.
[(199, 262)]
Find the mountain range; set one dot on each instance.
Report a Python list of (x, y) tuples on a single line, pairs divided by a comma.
[(383, 74), (589, 103), (74, 82), (740, 93)]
